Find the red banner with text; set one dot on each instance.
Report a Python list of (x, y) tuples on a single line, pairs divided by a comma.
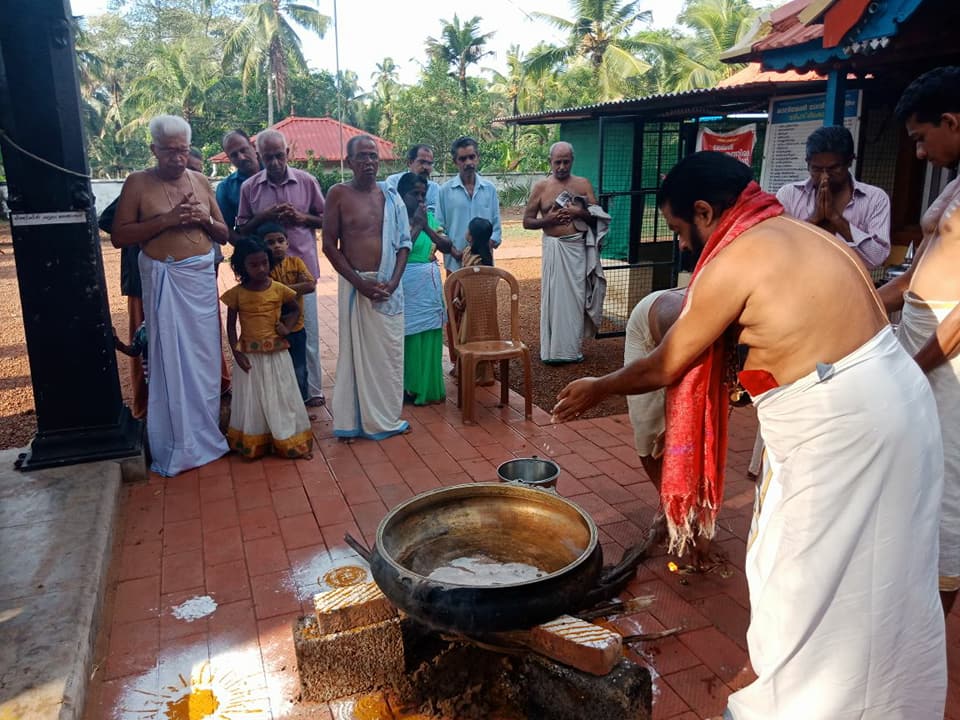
[(739, 142)]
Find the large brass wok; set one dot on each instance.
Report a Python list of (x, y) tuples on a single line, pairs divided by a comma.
[(486, 557)]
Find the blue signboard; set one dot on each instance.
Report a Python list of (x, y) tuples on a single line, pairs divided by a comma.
[(810, 108)]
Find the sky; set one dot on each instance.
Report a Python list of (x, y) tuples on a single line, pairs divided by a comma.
[(371, 30)]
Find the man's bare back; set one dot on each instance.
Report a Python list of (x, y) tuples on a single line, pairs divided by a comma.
[(798, 295), (356, 220)]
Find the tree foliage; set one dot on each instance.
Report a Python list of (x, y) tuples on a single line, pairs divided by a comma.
[(460, 46), (216, 62)]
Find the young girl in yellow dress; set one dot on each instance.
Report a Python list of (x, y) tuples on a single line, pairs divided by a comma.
[(266, 412)]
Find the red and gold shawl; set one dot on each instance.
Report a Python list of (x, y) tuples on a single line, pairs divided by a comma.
[(698, 404)]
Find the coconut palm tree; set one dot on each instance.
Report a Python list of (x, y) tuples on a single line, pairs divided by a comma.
[(693, 60), (177, 80), (266, 40), (460, 46), (385, 83), (601, 35)]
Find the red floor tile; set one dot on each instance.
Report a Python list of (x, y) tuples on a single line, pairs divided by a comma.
[(276, 642), (139, 561), (602, 512), (620, 472), (133, 648), (182, 571), (382, 473), (727, 616), (274, 594), (253, 495), (219, 514), (181, 506), (669, 608), (221, 546), (329, 510), (179, 537), (216, 487), (265, 555), (284, 477), (576, 466), (701, 689), (358, 489), (228, 582), (610, 490), (259, 522), (137, 599), (300, 531), (627, 454), (718, 652), (231, 627), (288, 502), (590, 452), (368, 515), (393, 495)]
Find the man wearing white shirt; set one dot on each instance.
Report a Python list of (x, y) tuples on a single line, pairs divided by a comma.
[(420, 162)]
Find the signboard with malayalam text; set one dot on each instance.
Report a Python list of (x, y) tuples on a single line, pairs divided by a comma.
[(792, 119)]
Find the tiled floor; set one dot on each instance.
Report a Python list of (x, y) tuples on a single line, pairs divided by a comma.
[(259, 537)]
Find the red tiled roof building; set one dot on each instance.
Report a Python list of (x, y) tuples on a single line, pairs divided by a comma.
[(318, 139)]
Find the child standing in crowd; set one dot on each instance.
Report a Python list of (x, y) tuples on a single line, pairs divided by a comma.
[(266, 411), (478, 251), (137, 347), (292, 272)]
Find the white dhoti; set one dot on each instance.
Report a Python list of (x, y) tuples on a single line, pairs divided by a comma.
[(266, 411), (647, 411), (368, 394), (918, 323), (182, 313), (563, 297), (845, 620)]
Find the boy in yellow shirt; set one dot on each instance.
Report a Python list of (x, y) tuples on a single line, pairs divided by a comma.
[(292, 272)]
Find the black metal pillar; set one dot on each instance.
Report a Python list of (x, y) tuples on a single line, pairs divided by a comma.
[(73, 367)]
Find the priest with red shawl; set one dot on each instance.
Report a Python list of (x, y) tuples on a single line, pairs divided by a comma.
[(845, 615)]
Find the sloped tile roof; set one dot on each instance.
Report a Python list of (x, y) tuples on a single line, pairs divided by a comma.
[(318, 138)]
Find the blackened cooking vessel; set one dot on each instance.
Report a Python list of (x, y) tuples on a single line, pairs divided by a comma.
[(506, 523)]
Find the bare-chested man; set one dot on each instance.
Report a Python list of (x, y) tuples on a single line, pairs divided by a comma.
[(841, 550), (573, 286), (366, 237), (929, 292), (171, 213)]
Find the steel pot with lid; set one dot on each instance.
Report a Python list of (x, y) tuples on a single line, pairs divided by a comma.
[(486, 557)]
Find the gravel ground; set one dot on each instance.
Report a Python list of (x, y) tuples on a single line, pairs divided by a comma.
[(17, 417), (600, 356)]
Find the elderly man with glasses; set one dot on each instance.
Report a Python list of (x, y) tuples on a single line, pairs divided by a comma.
[(832, 199)]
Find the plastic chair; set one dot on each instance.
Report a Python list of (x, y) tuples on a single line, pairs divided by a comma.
[(478, 326)]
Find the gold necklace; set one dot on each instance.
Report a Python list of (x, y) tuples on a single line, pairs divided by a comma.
[(166, 192)]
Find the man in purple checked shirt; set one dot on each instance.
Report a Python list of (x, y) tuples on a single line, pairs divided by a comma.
[(831, 198), (293, 198)]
